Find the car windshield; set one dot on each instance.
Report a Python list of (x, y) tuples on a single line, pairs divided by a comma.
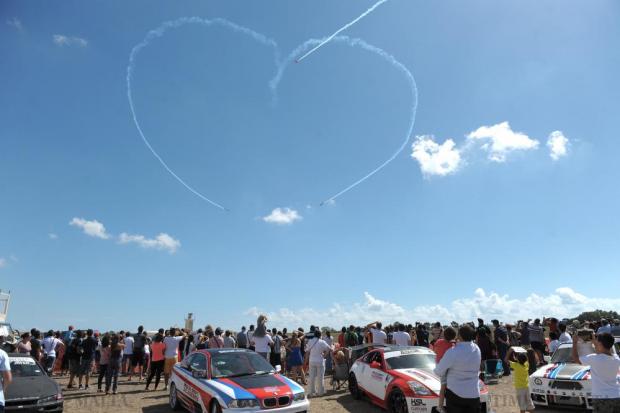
[(238, 363), (562, 355), (25, 367), (412, 361)]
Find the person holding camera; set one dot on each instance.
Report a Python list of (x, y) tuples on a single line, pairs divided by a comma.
[(604, 367)]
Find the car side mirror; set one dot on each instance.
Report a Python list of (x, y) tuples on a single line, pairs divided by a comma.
[(199, 374), (375, 365), (278, 368)]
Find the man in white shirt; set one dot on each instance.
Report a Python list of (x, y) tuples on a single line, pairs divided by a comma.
[(604, 367), (127, 353), (604, 328), (460, 366), (378, 335), (316, 350), (171, 341), (49, 348), (401, 337), (262, 345), (7, 378), (554, 343)]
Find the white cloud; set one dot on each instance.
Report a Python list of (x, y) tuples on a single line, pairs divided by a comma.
[(15, 22), (282, 216), (436, 159), (557, 144), (162, 241), (499, 140), (564, 302), (63, 40), (93, 228), (2, 262), (51, 235)]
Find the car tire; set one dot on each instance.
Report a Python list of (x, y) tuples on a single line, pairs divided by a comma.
[(354, 389), (215, 407), (175, 404), (398, 402)]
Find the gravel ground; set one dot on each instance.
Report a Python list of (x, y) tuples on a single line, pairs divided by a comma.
[(132, 399)]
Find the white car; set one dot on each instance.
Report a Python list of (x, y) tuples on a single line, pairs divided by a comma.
[(562, 382), (401, 379)]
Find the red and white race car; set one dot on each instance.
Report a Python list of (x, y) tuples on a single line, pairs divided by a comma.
[(226, 380), (401, 380)]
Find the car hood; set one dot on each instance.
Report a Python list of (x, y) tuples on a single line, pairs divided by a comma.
[(258, 386), (563, 371), (426, 377), (31, 387)]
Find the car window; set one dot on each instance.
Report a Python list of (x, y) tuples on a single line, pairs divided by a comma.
[(25, 367), (369, 357), (562, 355), (198, 362), (238, 363), (412, 361), (188, 360)]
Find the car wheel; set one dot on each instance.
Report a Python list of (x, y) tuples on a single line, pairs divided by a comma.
[(354, 389), (175, 404), (398, 402), (215, 407)]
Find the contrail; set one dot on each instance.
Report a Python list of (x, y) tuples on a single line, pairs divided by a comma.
[(159, 32), (337, 32), (356, 42)]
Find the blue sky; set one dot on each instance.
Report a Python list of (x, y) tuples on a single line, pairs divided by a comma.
[(482, 218)]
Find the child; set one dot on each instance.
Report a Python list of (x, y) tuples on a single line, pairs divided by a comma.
[(441, 346), (520, 369)]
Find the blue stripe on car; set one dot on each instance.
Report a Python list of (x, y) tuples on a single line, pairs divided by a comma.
[(296, 388)]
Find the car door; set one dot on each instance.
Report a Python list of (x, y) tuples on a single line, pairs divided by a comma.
[(376, 379)]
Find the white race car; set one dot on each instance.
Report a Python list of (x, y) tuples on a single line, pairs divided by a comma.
[(401, 380), (562, 382)]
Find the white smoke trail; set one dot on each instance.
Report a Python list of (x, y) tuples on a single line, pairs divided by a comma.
[(343, 28), (160, 31), (356, 42)]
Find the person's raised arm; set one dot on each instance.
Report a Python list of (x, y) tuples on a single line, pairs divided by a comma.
[(508, 357), (445, 363)]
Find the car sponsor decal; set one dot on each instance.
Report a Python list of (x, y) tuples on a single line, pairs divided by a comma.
[(206, 388), (21, 361), (376, 376)]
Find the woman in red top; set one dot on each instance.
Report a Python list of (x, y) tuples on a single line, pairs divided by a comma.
[(157, 360)]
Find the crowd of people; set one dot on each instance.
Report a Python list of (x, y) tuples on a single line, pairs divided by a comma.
[(461, 351)]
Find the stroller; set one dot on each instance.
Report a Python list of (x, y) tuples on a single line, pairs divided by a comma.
[(341, 366)]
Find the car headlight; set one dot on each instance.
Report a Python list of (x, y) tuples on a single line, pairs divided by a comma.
[(49, 399), (243, 403), (538, 381), (419, 389), (297, 397)]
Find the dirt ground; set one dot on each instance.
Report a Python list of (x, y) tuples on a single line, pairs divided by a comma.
[(131, 398)]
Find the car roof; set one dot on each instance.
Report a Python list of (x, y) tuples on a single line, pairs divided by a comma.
[(224, 350), (409, 349)]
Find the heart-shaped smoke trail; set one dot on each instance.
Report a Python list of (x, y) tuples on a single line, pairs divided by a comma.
[(306, 49)]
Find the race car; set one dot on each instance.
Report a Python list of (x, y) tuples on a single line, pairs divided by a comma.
[(239, 380), (563, 382), (401, 380), (32, 390)]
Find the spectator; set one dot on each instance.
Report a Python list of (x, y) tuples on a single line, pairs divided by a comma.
[(262, 345), (487, 350), (50, 345), (242, 338), (537, 338), (296, 361), (554, 343), (215, 339), (521, 379), (461, 366), (436, 332), (186, 346), (401, 338), (513, 335), (35, 344), (158, 349), (441, 347), (7, 378), (114, 364), (229, 340), (604, 328), (341, 337), (275, 357), (564, 336), (128, 342), (378, 335), (89, 345), (501, 344), (250, 337), (170, 354), (532, 361), (137, 359), (328, 359), (525, 333), (74, 355), (351, 339), (604, 365), (422, 335), (104, 360), (24, 346), (317, 351)]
